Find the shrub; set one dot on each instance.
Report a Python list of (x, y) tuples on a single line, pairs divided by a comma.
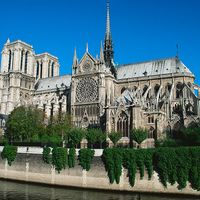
[(59, 158), (71, 157), (115, 137), (85, 158), (139, 135), (129, 162), (95, 135), (112, 159), (9, 153), (46, 155), (75, 136)]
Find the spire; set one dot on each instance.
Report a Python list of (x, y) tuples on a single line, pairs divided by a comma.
[(108, 31), (87, 47), (108, 44), (75, 59), (8, 41), (101, 53)]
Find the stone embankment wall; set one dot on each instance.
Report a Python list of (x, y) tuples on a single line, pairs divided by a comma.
[(31, 168)]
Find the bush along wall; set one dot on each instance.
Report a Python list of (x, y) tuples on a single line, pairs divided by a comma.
[(181, 165), (46, 156), (9, 153), (59, 158), (85, 158), (71, 157)]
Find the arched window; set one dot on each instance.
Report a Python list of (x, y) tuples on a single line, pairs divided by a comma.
[(41, 66), (49, 66), (12, 60), (156, 89), (179, 90), (37, 69), (168, 88), (144, 89), (122, 124), (151, 133), (26, 62), (21, 62), (9, 61), (52, 69)]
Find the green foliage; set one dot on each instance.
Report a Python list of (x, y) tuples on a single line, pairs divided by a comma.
[(46, 155), (95, 135), (148, 161), (113, 159), (139, 135), (9, 153), (75, 136), (190, 136), (115, 137), (167, 142), (23, 123), (140, 162), (60, 125), (183, 166), (129, 162), (194, 174), (85, 158), (165, 164), (71, 157), (59, 158)]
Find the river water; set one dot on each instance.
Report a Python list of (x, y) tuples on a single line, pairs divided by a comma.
[(22, 191)]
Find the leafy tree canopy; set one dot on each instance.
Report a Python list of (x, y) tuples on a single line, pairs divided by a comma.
[(23, 123), (139, 135)]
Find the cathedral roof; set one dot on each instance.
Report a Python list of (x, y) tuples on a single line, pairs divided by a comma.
[(53, 83), (153, 68)]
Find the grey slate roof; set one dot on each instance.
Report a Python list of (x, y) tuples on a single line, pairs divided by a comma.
[(53, 82), (153, 68)]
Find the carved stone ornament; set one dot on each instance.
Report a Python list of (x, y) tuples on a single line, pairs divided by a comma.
[(87, 90), (87, 66)]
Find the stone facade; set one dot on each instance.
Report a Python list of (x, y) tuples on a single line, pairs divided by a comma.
[(159, 95)]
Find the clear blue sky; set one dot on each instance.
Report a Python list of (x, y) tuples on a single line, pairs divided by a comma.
[(141, 29)]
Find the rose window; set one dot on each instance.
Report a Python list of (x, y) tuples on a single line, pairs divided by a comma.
[(87, 90)]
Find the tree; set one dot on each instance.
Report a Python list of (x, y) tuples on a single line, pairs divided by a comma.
[(115, 137), (190, 136), (24, 123), (95, 135), (139, 135), (75, 136)]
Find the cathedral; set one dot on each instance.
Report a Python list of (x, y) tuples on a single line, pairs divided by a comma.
[(159, 95)]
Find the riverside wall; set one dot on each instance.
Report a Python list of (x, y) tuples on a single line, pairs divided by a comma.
[(31, 168)]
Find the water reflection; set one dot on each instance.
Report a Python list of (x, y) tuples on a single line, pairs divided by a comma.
[(18, 191)]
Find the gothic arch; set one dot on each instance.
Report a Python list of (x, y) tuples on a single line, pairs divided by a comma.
[(9, 61), (26, 62), (122, 124), (179, 90)]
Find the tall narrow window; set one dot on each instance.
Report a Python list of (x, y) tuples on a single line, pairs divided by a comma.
[(9, 61), (52, 69), (41, 65), (60, 111), (37, 69), (26, 62), (179, 90), (21, 62), (49, 66), (51, 113), (12, 60), (122, 124)]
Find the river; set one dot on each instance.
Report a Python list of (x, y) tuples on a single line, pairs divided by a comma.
[(22, 191)]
